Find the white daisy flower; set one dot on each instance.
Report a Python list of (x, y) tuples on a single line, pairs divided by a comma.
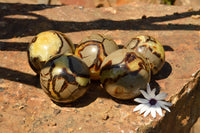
[(152, 102)]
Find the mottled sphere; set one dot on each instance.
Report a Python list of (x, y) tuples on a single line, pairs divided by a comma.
[(93, 49), (123, 73), (151, 49), (45, 45), (65, 78)]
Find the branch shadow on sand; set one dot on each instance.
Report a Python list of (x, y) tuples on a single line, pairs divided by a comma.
[(15, 27)]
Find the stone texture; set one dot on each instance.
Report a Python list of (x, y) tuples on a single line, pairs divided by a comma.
[(106, 3), (51, 2), (196, 127), (187, 2), (24, 107), (85, 3)]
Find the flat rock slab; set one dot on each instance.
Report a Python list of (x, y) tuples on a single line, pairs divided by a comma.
[(24, 107)]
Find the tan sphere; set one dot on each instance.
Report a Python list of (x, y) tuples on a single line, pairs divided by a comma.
[(45, 45), (151, 49), (93, 49), (123, 73), (65, 78)]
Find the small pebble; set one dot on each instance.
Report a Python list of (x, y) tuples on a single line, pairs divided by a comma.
[(117, 106), (81, 7), (37, 123), (76, 110), (70, 130), (57, 111), (1, 89), (190, 9), (53, 124), (105, 117), (21, 107), (111, 10), (195, 16), (100, 101)]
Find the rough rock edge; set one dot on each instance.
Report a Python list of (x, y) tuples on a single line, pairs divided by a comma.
[(184, 112)]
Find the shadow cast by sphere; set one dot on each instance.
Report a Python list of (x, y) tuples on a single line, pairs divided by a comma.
[(95, 90), (15, 27), (154, 84), (18, 76), (164, 72), (125, 102), (168, 48)]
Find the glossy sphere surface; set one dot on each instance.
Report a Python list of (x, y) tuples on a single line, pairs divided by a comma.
[(65, 78), (93, 49), (151, 49), (46, 45), (123, 73)]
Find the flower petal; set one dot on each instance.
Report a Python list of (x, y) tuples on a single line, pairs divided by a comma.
[(153, 93), (161, 96), (148, 88), (166, 108), (163, 106), (145, 94), (141, 100), (144, 108), (153, 112), (165, 103), (138, 107), (147, 112), (159, 110)]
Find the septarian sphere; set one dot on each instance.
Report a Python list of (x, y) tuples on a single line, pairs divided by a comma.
[(123, 73), (65, 78), (151, 49), (93, 49), (45, 45)]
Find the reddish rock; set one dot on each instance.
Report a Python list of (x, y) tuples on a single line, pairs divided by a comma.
[(24, 107), (188, 2), (196, 127), (106, 3), (87, 3)]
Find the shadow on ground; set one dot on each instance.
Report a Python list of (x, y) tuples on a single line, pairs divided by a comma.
[(13, 27)]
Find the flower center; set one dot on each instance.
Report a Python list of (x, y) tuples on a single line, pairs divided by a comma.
[(152, 101)]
